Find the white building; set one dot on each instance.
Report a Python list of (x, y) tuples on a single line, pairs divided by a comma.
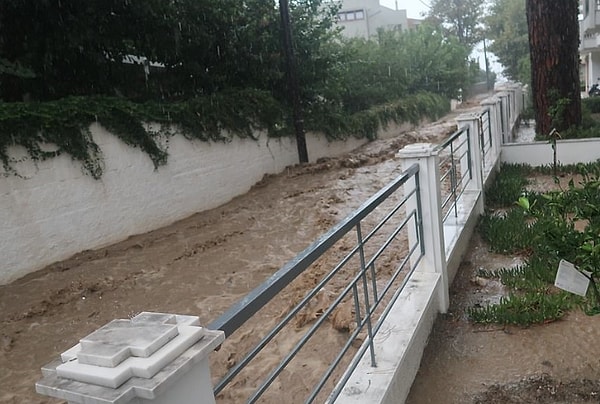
[(589, 47), (362, 18)]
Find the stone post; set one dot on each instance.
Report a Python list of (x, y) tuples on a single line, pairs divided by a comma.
[(434, 260), (151, 358), (471, 121), (505, 117), (493, 104)]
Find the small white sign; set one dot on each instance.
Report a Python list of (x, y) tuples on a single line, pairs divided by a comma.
[(570, 279)]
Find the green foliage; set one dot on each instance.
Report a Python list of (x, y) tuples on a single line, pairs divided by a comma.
[(557, 109), (365, 123), (522, 277), (65, 124), (531, 308), (508, 185), (183, 48), (590, 124), (527, 114), (459, 18), (592, 104), (506, 26), (399, 64), (508, 232), (563, 224)]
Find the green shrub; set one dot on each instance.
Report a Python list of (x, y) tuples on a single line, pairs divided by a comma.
[(592, 104), (506, 232), (563, 224), (508, 185), (515, 309)]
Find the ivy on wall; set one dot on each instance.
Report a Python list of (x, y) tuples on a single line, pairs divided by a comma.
[(65, 123)]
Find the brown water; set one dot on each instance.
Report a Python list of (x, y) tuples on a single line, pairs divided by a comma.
[(198, 266), (203, 264), (557, 362)]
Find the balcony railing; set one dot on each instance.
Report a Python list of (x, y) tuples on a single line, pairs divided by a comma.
[(455, 168), (363, 264)]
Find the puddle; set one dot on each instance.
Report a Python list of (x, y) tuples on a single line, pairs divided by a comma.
[(526, 131), (467, 363)]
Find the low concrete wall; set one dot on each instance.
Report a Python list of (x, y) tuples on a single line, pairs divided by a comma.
[(56, 210), (570, 151), (399, 345)]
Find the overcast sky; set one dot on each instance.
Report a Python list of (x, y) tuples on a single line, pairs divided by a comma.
[(413, 8)]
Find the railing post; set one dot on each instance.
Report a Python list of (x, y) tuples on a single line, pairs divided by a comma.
[(505, 117), (493, 104), (430, 211), (471, 121), (519, 99), (525, 96), (152, 358)]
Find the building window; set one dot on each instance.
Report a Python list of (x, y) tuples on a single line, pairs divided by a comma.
[(353, 15), (597, 5)]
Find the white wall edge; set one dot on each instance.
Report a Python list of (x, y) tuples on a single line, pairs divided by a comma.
[(55, 210), (568, 151), (399, 346)]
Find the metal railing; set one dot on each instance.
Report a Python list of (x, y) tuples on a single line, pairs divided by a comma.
[(455, 166), (485, 134), (361, 264)]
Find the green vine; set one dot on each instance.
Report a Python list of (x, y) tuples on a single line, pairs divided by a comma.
[(65, 123), (412, 108)]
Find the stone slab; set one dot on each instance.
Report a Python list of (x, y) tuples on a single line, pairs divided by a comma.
[(118, 340), (132, 366), (126, 348), (149, 389)]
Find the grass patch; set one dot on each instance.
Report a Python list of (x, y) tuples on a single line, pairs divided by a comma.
[(523, 309), (508, 185), (543, 228)]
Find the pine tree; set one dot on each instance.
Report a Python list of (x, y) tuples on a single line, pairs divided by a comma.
[(554, 43)]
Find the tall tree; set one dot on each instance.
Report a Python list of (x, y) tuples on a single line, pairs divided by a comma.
[(460, 18), (402, 63), (50, 49), (554, 42), (506, 26)]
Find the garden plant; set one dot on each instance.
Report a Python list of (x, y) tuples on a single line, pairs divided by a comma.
[(544, 228)]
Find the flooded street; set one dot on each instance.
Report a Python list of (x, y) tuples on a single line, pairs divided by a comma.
[(202, 265), (198, 266), (465, 362)]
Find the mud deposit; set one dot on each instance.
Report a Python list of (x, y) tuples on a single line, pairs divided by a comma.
[(199, 266), (203, 264), (557, 362)]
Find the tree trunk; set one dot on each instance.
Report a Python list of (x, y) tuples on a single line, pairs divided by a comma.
[(554, 46)]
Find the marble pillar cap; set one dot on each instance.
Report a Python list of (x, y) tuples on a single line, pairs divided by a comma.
[(128, 356)]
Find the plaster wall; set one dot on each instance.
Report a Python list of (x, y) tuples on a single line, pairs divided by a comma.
[(55, 211), (375, 16), (570, 151)]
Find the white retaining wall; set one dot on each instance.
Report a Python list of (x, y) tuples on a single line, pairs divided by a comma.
[(569, 151), (56, 210)]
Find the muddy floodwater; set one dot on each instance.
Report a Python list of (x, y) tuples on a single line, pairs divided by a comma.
[(198, 266), (202, 265), (557, 362), (466, 363)]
